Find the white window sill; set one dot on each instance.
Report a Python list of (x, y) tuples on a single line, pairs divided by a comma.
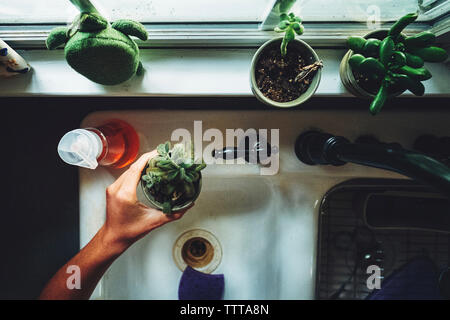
[(181, 72)]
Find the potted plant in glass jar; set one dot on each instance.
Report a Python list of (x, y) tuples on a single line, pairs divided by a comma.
[(172, 180), (385, 63), (285, 71)]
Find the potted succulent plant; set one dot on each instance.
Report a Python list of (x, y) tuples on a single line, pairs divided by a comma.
[(285, 71), (385, 63), (172, 180)]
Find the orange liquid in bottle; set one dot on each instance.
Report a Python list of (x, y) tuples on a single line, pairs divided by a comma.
[(120, 143)]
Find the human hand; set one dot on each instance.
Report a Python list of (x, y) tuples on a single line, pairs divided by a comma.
[(127, 219)]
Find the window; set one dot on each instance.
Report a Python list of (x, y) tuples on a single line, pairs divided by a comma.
[(27, 23), (217, 11), (361, 10), (147, 11)]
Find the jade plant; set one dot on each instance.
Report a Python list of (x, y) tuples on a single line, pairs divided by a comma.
[(396, 62), (172, 177), (290, 24)]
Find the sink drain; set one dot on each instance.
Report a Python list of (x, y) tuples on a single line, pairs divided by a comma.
[(198, 249)]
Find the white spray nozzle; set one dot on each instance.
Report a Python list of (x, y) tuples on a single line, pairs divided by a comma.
[(80, 147)]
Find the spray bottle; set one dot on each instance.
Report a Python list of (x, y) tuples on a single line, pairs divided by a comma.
[(114, 144)]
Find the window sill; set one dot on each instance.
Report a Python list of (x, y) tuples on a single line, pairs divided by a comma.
[(181, 72)]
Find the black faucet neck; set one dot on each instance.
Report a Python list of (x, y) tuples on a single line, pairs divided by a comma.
[(322, 148)]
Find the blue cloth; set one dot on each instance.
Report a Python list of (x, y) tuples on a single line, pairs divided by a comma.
[(195, 285), (416, 280)]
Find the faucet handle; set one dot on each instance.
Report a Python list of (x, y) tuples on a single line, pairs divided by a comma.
[(251, 151)]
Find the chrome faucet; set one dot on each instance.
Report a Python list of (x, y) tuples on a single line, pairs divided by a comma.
[(252, 151), (315, 148)]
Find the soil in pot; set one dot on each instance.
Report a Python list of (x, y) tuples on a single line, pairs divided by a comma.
[(275, 75)]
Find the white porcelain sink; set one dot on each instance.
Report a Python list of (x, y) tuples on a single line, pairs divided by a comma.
[(266, 225)]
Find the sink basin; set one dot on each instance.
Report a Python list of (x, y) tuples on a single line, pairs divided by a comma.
[(265, 225)]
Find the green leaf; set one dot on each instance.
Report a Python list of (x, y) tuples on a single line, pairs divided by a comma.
[(379, 100), (300, 31), (412, 84), (187, 165), (413, 60), (172, 175), (288, 36), (399, 59), (187, 177), (165, 164), (200, 167), (193, 176), (161, 149), (182, 174), (298, 28), (155, 171), (420, 74), (372, 66), (189, 190), (431, 54), (356, 43), (167, 207), (401, 24), (283, 24), (355, 60), (386, 50), (371, 48), (416, 87), (422, 39)]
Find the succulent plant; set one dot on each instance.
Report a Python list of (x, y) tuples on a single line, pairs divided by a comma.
[(172, 177), (396, 61), (290, 24)]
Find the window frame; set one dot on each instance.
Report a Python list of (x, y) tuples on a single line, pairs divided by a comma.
[(244, 34)]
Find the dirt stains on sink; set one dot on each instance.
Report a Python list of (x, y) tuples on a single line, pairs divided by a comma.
[(198, 249), (197, 252)]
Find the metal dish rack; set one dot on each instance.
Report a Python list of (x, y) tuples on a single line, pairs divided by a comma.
[(341, 273)]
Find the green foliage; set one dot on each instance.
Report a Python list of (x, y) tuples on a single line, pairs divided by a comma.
[(290, 24), (171, 177), (401, 24), (396, 61)]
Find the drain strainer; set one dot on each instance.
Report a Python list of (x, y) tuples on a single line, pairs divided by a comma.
[(198, 249)]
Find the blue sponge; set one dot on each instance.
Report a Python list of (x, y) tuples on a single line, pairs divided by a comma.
[(416, 280), (195, 285)]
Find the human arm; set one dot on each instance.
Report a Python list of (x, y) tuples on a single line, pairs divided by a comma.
[(127, 220)]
